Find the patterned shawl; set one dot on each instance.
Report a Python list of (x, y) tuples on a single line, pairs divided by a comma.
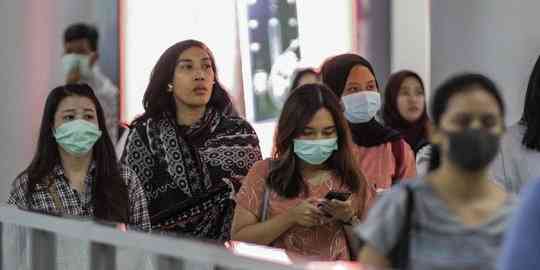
[(190, 175)]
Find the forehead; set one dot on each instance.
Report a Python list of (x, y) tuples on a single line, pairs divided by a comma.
[(75, 103), (308, 76), (321, 119), (410, 81), (360, 74), (474, 101), (77, 45), (194, 53)]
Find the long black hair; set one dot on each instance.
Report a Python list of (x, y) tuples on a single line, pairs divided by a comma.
[(455, 85), (285, 178), (109, 191), (159, 103), (531, 111)]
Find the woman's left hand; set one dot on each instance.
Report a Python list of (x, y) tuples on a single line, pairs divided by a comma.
[(339, 210)]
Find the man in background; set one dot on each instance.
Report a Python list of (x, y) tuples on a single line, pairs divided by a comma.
[(80, 66)]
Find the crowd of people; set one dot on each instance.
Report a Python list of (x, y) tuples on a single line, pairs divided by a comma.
[(358, 171)]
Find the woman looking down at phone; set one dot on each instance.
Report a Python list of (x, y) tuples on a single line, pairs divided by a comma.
[(311, 160)]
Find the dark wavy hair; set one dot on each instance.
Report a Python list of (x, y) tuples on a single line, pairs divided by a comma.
[(109, 191), (531, 111), (457, 84), (159, 103), (285, 177)]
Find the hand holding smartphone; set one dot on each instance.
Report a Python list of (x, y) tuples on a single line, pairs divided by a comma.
[(333, 195)]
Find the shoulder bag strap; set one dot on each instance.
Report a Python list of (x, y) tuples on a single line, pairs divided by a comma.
[(266, 195), (400, 254)]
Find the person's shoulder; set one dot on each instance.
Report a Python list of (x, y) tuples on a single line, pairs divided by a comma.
[(21, 180), (417, 184), (515, 133), (424, 150), (511, 142), (144, 122), (257, 175), (141, 121), (402, 143), (262, 167), (128, 175), (517, 128), (531, 189), (238, 124), (236, 120)]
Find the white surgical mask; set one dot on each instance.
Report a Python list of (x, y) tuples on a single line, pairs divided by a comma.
[(362, 106), (72, 61)]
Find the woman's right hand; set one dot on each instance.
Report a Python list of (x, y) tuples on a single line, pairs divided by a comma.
[(307, 213)]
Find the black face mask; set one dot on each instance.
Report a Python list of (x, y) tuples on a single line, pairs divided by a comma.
[(472, 149)]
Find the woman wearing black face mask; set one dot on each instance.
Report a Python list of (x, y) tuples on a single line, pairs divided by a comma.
[(454, 217)]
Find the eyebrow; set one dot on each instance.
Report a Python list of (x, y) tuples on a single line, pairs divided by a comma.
[(325, 128), (181, 60), (73, 110), (357, 83)]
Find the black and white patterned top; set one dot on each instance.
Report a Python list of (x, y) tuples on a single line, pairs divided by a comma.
[(79, 204), (191, 174)]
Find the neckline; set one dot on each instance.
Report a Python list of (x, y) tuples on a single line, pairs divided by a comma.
[(320, 178), (457, 220)]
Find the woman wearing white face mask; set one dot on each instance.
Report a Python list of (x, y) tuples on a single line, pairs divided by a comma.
[(383, 156), (74, 171)]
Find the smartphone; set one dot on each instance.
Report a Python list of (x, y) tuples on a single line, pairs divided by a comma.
[(340, 196)]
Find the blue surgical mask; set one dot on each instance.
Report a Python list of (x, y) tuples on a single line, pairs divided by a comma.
[(315, 152), (362, 106), (77, 137)]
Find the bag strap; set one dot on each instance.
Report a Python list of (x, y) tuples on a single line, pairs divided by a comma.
[(266, 195), (397, 151), (265, 203), (400, 254)]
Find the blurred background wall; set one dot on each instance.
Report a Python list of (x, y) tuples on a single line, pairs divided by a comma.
[(496, 37)]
